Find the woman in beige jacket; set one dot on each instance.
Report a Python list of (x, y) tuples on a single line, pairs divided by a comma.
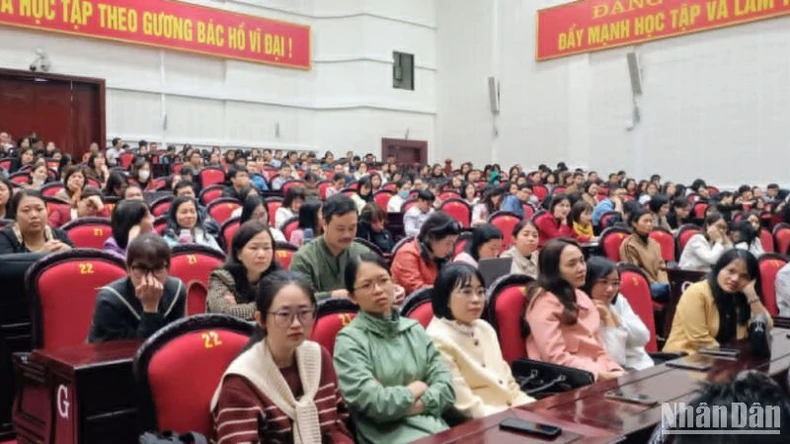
[(483, 382)]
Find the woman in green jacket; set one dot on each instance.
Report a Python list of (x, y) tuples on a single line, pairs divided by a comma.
[(391, 376)]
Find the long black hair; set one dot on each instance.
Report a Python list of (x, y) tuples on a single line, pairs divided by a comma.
[(236, 268), (481, 235), (126, 215), (733, 307), (550, 278), (598, 267)]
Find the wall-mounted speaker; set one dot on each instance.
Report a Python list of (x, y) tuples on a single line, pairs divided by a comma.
[(635, 71), (493, 94)]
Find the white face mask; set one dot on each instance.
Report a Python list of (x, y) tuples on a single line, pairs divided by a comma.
[(143, 175)]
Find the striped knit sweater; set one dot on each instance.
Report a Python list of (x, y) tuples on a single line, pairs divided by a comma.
[(245, 415)]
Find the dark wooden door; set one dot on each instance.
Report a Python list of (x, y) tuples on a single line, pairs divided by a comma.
[(66, 110), (406, 152)]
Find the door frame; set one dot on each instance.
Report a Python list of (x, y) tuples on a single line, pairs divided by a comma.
[(100, 84), (421, 145)]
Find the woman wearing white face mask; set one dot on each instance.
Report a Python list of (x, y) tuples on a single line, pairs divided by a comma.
[(141, 173), (402, 189)]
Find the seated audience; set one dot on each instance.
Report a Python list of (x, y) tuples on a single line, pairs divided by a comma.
[(486, 243), (363, 194), (416, 216), (623, 333), (514, 203), (613, 203), (129, 219), (581, 217), (659, 206), (756, 246), (97, 168), (417, 263), (705, 248), (39, 176), (254, 208), (185, 225), (141, 173), (30, 233), (680, 214), (133, 192), (590, 193), (465, 341), (74, 181), (555, 223), (6, 190), (309, 223), (371, 227), (136, 306), (238, 180), (783, 291), (284, 176), (469, 194), (294, 198), (231, 288), (324, 260), (717, 310), (88, 203), (116, 185), (562, 321), (524, 250), (242, 196), (282, 387), (644, 252), (488, 205), (402, 189), (398, 393), (338, 183), (744, 236)]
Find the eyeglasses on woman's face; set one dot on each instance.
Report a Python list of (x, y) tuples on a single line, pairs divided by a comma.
[(285, 318)]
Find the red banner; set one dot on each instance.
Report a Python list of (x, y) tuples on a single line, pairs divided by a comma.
[(168, 24), (593, 25)]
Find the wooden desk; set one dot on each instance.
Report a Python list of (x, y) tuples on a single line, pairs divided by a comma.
[(585, 415), (81, 394)]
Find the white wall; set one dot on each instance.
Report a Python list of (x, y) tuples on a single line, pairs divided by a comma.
[(345, 102), (714, 104)]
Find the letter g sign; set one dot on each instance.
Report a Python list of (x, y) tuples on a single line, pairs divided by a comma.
[(63, 401)]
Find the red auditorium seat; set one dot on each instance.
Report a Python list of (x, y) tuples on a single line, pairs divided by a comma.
[(390, 186), (693, 197), (635, 286), (767, 240), (770, 264), (127, 159), (210, 193), (782, 236), (221, 209), (227, 230), (683, 235), (529, 211), (611, 239), (158, 184), (19, 178), (197, 293), (176, 392), (53, 203), (608, 218), (558, 190), (63, 318), (505, 221), (289, 226), (272, 204), (322, 187), (51, 189), (6, 163), (194, 263), (284, 253), (177, 167), (382, 198), (459, 210), (506, 314), (418, 306), (461, 243), (211, 176), (540, 191), (349, 191), (88, 232), (160, 224), (291, 184), (449, 194), (333, 315), (408, 203), (698, 210), (160, 206), (666, 241)]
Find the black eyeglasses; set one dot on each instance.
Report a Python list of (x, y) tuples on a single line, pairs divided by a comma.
[(284, 318)]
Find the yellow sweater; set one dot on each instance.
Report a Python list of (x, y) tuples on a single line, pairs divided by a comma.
[(483, 382)]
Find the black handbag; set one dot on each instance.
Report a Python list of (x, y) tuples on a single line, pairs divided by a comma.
[(172, 438), (541, 379), (760, 336)]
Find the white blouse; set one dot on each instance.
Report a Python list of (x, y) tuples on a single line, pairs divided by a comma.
[(626, 343)]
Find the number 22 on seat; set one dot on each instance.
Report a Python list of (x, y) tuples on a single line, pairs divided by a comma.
[(211, 339)]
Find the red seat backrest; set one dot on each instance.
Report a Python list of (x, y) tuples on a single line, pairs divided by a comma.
[(19, 178), (180, 390), (160, 224), (382, 198), (698, 210), (449, 194), (211, 176), (322, 187), (126, 160), (228, 229), (161, 206), (221, 209), (292, 183), (177, 167), (63, 318), (209, 194), (408, 204), (768, 241), (194, 263), (423, 313), (529, 211), (505, 222), (636, 288), (685, 235), (289, 227), (459, 210), (782, 236), (284, 252), (197, 293), (559, 190), (51, 189), (6, 163), (509, 313), (89, 232), (54, 203), (328, 325), (666, 242), (611, 239), (540, 191), (272, 205), (770, 264), (606, 218)]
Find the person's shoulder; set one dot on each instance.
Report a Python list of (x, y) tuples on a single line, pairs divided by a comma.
[(699, 289), (111, 291), (174, 284)]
